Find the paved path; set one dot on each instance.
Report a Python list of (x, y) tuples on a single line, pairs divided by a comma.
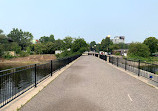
[(90, 84)]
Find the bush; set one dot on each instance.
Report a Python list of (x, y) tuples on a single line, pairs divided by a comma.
[(117, 53), (1, 50), (7, 56), (23, 54), (138, 50)]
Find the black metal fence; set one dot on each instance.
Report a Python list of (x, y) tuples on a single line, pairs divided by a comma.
[(16, 81), (104, 57), (138, 67)]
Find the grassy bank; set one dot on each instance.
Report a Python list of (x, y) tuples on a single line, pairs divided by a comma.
[(149, 59)]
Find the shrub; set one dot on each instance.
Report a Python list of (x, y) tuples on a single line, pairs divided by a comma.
[(117, 53), (23, 54), (138, 50), (7, 56)]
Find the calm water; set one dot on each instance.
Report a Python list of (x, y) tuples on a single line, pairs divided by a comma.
[(16, 81)]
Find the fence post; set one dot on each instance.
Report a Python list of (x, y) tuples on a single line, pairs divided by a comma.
[(117, 61), (125, 63), (112, 59), (139, 68), (51, 69), (35, 75), (109, 59)]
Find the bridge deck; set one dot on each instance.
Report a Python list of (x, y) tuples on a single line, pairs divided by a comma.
[(91, 84)]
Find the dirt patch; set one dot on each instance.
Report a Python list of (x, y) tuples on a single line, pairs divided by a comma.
[(21, 61)]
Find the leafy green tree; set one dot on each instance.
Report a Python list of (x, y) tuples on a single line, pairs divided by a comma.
[(67, 42), (152, 43), (138, 50), (59, 44), (22, 38), (38, 48), (14, 47), (123, 46), (46, 39), (49, 48), (3, 40), (1, 50), (114, 47), (51, 38), (105, 43), (78, 44), (92, 45)]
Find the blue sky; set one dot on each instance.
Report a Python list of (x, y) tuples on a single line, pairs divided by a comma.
[(89, 19)]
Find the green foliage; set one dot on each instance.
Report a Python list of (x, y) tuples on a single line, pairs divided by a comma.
[(123, 46), (46, 39), (1, 50), (114, 47), (117, 53), (7, 56), (59, 44), (67, 42), (38, 48), (48, 48), (24, 54), (152, 43), (22, 38), (13, 47), (92, 45), (105, 44), (78, 44), (28, 50), (138, 50), (97, 47), (66, 53)]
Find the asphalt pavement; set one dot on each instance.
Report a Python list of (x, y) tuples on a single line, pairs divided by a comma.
[(91, 84)]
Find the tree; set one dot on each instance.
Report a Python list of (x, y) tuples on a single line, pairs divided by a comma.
[(79, 45), (49, 48), (67, 42), (105, 43), (92, 44), (38, 48), (46, 39), (59, 44), (138, 50), (13, 47), (152, 43), (22, 38), (3, 40)]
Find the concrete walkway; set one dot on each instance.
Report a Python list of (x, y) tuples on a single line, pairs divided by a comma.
[(91, 84)]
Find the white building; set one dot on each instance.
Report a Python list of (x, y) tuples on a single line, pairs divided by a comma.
[(118, 39)]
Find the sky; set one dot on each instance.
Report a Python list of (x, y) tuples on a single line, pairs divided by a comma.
[(92, 20)]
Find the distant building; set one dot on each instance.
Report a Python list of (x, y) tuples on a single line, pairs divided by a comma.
[(118, 39)]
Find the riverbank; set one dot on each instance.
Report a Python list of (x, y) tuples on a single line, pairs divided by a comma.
[(22, 61)]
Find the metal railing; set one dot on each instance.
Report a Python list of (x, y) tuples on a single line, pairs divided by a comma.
[(16, 81), (104, 57), (138, 67)]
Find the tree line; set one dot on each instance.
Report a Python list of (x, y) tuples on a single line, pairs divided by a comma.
[(107, 45), (21, 42), (136, 49)]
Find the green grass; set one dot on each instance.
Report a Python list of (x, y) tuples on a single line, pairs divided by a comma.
[(149, 59)]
